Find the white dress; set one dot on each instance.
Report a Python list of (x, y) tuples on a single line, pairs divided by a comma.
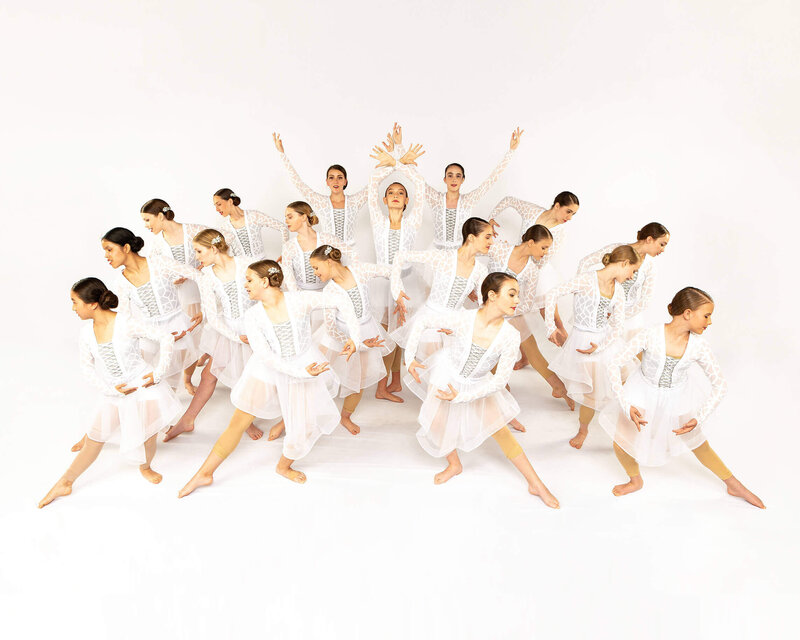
[(448, 292), (596, 319), (482, 405), (447, 222), (139, 415), (275, 381), (663, 392), (247, 240), (365, 367), (157, 304), (528, 279), (297, 271), (388, 242), (183, 253), (337, 222)]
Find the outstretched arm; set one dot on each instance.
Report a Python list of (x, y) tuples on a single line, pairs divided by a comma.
[(166, 345), (578, 283), (316, 200), (595, 258), (632, 348), (473, 196), (261, 219)]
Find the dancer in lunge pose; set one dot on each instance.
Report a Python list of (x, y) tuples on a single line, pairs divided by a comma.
[(242, 228), (463, 402), (660, 412)]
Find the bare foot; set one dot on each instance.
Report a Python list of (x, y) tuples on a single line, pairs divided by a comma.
[(60, 489), (544, 493), (276, 431), (203, 360), (395, 385), (521, 363), (177, 429), (577, 441), (444, 476), (254, 432), (78, 445), (190, 388), (736, 488), (199, 480), (150, 475), (387, 395), (351, 426), (293, 474), (559, 390), (634, 484), (516, 424)]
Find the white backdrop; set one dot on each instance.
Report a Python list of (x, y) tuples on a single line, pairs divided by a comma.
[(681, 112)]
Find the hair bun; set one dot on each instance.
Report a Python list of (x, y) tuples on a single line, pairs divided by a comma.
[(606, 259), (108, 300), (136, 244)]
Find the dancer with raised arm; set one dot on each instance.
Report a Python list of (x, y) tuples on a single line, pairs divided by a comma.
[(597, 332), (660, 412), (242, 228), (134, 402), (336, 210), (287, 375), (463, 402)]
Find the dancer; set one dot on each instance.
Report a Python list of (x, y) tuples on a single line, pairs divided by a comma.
[(463, 402), (598, 326), (134, 401), (336, 210), (456, 275), (367, 367), (146, 289), (242, 229), (287, 375), (225, 301), (660, 412), (452, 207)]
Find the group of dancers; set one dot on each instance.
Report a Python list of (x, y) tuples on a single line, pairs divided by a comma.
[(291, 337)]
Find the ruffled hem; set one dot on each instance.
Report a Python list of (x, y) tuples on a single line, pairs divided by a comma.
[(228, 358)]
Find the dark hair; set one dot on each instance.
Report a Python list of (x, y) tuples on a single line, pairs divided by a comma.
[(228, 194), (262, 269), (326, 252), (536, 233), (94, 290), (566, 198), (621, 253), (212, 239), (494, 282), (690, 298), (455, 164), (472, 227), (654, 230), (123, 236), (338, 167), (304, 209), (156, 206), (404, 189)]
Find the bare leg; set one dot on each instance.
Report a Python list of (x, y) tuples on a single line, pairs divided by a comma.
[(79, 444), (522, 362), (453, 469), (276, 431), (632, 469), (513, 451), (208, 382), (284, 469), (86, 456), (396, 384), (584, 418), (709, 459), (350, 404), (188, 372), (144, 469), (540, 364), (383, 393)]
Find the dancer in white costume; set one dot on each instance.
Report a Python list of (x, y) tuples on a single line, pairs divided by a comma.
[(242, 229), (456, 275), (452, 208), (225, 301), (522, 261), (660, 412), (463, 402), (134, 402), (366, 367), (146, 289), (337, 212), (287, 375), (651, 240), (597, 332)]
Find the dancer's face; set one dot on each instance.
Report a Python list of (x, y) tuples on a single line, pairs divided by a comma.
[(83, 309), (539, 249), (336, 181), (699, 319), (323, 269), (114, 254), (626, 271), (153, 223), (655, 246), (396, 196), (206, 256), (254, 284), (484, 240), (294, 221), (507, 298), (565, 213), (223, 207), (453, 178)]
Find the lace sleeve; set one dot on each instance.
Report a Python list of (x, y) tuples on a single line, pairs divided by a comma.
[(90, 373), (375, 214), (166, 344), (528, 211), (287, 266), (347, 252), (595, 258), (401, 258), (616, 323), (359, 198), (496, 381), (414, 219), (261, 219), (580, 282), (719, 387), (333, 301), (316, 200), (371, 270), (476, 194), (447, 320), (263, 352), (645, 294), (631, 349), (211, 307)]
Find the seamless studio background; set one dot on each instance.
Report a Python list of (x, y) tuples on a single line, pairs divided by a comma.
[(679, 112)]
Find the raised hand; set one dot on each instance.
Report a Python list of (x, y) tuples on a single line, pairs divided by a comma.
[(389, 144), (397, 133), (637, 418), (383, 158), (686, 428), (448, 394), (412, 369), (276, 138), (592, 348), (561, 336), (315, 369), (401, 308), (515, 136), (495, 226), (349, 349), (410, 156), (150, 378), (125, 390)]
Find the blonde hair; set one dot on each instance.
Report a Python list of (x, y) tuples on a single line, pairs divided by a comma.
[(212, 238), (622, 253), (303, 209)]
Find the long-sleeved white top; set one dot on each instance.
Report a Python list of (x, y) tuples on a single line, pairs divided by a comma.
[(447, 291), (266, 343), (297, 271), (499, 255), (157, 299), (447, 223), (503, 351), (247, 241), (591, 311), (182, 253), (108, 364), (357, 300), (338, 222), (661, 370), (530, 214), (638, 290)]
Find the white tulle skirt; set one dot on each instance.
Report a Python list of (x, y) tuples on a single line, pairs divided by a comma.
[(185, 353), (446, 426), (138, 417), (664, 409), (633, 325), (365, 367), (189, 297), (383, 305), (228, 358), (306, 404), (585, 375)]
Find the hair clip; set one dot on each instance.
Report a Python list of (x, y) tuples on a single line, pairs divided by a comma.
[(164, 209), (233, 195), (328, 250), (273, 270), (216, 240)]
